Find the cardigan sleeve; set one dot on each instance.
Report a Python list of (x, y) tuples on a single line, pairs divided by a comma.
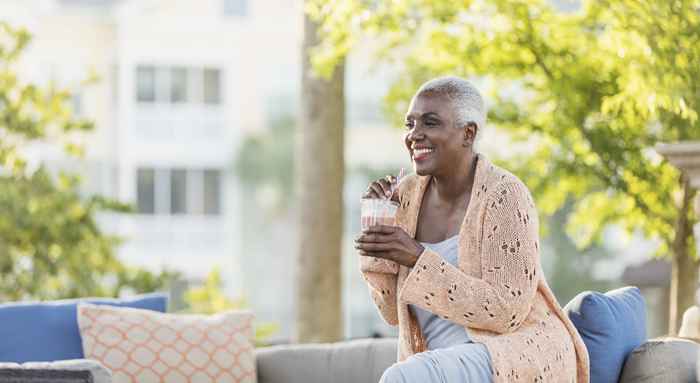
[(381, 276), (378, 265), (382, 288), (501, 299)]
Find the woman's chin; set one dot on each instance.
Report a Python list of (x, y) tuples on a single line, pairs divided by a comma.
[(421, 170)]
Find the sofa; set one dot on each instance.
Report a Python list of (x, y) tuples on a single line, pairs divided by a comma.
[(613, 326), (354, 361), (661, 360)]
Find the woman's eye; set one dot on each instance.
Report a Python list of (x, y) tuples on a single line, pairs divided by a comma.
[(408, 125), (431, 123)]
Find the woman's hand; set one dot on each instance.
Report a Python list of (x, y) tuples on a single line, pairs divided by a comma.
[(382, 188), (389, 242)]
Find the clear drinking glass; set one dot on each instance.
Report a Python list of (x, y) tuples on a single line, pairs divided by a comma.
[(375, 211)]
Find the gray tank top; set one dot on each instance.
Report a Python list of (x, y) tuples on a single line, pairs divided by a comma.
[(438, 332)]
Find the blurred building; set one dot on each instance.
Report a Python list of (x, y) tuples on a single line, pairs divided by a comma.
[(653, 277), (173, 98), (180, 83)]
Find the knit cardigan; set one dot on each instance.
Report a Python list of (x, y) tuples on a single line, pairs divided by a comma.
[(497, 291)]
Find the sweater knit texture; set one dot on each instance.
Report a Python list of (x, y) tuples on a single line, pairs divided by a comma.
[(497, 292)]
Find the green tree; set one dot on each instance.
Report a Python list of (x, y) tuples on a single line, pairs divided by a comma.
[(50, 244), (569, 269), (210, 299), (266, 160), (590, 92)]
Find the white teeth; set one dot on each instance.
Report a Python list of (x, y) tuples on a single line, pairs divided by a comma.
[(419, 152)]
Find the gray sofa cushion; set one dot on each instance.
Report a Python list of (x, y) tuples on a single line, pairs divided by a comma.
[(24, 375), (662, 360), (356, 361), (72, 370)]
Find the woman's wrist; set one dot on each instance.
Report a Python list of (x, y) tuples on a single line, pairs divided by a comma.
[(417, 254)]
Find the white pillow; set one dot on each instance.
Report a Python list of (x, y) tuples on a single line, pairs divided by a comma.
[(145, 346)]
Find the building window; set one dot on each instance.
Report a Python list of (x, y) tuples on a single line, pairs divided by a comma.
[(179, 191), (178, 84), (145, 191), (146, 84), (235, 7), (212, 189), (212, 88)]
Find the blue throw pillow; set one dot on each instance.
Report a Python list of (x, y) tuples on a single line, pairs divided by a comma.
[(611, 325), (48, 331)]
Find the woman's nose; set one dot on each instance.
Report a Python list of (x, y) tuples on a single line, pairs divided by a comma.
[(414, 135)]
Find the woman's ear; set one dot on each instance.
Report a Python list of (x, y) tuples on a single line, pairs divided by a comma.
[(470, 130)]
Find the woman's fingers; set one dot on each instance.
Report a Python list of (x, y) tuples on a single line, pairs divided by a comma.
[(375, 254), (380, 188), (374, 238), (377, 191), (380, 229), (393, 189), (374, 246), (386, 187)]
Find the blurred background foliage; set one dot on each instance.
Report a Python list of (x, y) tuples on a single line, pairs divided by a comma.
[(50, 244), (209, 298), (583, 93), (265, 162), (586, 94)]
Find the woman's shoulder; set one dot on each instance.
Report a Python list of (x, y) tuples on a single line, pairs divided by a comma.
[(498, 181)]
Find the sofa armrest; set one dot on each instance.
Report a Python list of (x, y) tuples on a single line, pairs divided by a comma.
[(62, 371), (355, 361), (32, 375), (662, 360)]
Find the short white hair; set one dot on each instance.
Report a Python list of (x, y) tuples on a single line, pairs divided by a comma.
[(466, 99)]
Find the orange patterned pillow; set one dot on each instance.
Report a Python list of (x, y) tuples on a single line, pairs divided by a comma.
[(145, 346)]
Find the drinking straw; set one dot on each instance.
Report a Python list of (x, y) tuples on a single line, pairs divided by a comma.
[(396, 183), (374, 212), (384, 211)]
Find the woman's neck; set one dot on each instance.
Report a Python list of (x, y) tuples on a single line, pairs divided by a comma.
[(452, 186)]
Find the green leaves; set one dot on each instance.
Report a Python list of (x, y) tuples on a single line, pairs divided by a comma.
[(50, 244), (591, 92), (210, 299), (266, 161), (12, 42)]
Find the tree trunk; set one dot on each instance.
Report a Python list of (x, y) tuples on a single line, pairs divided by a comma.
[(684, 267), (320, 168)]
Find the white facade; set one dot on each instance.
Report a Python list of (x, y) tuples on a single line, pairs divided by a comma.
[(172, 136), (176, 93), (181, 83)]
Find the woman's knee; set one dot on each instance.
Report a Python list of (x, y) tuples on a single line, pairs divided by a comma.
[(417, 368), (393, 374)]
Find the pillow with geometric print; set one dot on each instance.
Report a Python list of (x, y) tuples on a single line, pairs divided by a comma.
[(145, 346)]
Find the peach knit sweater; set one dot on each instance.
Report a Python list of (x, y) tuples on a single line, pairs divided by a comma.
[(498, 292)]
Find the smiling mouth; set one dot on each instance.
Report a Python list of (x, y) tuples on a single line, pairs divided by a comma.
[(422, 154)]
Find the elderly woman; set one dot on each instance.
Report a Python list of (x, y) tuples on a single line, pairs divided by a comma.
[(460, 274)]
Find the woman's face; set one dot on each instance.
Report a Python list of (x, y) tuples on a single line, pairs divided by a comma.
[(433, 141)]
